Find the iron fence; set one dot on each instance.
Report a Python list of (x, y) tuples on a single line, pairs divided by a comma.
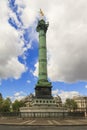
[(60, 115)]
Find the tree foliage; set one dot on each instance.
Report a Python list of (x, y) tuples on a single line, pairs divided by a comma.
[(71, 104), (1, 96), (17, 104), (1, 102), (4, 104)]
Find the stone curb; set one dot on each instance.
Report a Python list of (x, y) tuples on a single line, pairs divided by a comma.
[(11, 124)]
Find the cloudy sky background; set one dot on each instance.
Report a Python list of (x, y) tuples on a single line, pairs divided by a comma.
[(66, 46)]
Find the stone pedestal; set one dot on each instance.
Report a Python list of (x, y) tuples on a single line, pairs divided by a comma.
[(43, 92), (42, 107)]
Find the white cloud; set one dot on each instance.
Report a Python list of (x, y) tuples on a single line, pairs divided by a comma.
[(68, 94), (10, 46), (66, 36), (28, 81), (35, 73), (85, 86), (30, 11), (55, 92), (68, 50), (65, 94), (18, 96)]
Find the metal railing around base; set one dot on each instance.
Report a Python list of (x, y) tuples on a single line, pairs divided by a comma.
[(60, 115)]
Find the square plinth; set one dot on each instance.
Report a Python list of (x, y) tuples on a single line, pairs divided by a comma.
[(43, 92)]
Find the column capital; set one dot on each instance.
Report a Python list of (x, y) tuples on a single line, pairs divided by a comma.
[(42, 25)]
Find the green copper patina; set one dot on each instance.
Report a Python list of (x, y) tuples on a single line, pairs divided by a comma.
[(42, 74), (43, 86)]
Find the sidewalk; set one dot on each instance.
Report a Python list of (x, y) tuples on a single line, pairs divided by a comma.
[(42, 122)]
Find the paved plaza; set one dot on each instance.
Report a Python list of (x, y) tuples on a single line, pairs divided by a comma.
[(2, 127), (42, 122)]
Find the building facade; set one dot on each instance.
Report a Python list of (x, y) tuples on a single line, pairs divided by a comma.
[(81, 103)]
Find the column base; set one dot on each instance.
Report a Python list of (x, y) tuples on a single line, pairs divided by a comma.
[(43, 89)]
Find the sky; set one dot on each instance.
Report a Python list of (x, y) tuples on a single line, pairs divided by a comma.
[(66, 47)]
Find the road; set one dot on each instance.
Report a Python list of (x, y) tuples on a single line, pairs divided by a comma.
[(4, 127), (43, 122)]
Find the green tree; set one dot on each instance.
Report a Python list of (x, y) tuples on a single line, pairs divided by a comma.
[(71, 104), (1, 96), (1, 102), (9, 100), (6, 104), (17, 104)]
